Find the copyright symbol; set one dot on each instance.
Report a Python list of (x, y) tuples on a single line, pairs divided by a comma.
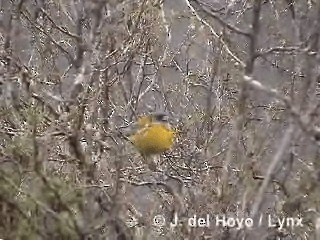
[(159, 221)]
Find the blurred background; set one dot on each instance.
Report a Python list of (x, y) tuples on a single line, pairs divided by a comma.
[(239, 80)]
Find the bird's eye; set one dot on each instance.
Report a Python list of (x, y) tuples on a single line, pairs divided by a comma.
[(165, 118), (161, 117)]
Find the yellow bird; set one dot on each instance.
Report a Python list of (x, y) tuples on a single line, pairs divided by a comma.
[(154, 134)]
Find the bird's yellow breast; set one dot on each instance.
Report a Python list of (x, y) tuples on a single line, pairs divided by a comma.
[(153, 139)]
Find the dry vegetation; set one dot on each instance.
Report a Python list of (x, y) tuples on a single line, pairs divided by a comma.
[(240, 80)]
